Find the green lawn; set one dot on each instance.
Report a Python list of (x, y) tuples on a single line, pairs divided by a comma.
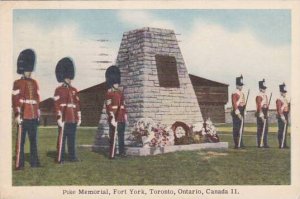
[(250, 166)]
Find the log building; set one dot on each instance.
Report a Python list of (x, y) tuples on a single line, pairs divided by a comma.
[(211, 95)]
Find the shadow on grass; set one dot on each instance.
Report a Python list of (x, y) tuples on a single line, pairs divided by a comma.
[(104, 152), (52, 154)]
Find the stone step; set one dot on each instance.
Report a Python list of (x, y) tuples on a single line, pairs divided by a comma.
[(139, 151)]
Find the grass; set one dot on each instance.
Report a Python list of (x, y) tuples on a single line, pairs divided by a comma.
[(250, 166)]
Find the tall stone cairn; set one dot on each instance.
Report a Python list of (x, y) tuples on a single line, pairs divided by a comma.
[(139, 78)]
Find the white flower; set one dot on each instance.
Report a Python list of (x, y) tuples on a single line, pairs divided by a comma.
[(179, 132), (197, 127)]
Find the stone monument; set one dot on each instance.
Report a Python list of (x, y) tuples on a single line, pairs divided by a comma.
[(155, 80)]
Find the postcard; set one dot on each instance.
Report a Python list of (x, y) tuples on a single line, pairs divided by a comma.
[(121, 99)]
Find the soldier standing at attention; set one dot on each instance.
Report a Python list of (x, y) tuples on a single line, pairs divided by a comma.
[(283, 108), (238, 106), (262, 108), (25, 103), (116, 110), (67, 107)]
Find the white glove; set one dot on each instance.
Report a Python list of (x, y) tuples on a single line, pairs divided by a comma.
[(18, 120), (283, 119), (113, 122), (240, 116), (79, 122), (262, 117), (237, 111), (60, 122)]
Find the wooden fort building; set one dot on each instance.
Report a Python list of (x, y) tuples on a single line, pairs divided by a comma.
[(212, 97)]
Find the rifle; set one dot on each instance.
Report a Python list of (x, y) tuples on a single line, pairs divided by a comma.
[(18, 145), (242, 122), (61, 130), (284, 129), (60, 142), (112, 155), (283, 136), (265, 120)]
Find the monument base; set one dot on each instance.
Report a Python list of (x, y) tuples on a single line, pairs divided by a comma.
[(139, 151)]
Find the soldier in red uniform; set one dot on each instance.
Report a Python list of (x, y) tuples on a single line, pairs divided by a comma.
[(262, 108), (238, 106), (283, 108), (116, 110), (25, 103), (67, 108)]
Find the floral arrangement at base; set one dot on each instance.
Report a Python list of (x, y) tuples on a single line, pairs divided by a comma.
[(150, 134), (206, 132), (146, 133), (182, 133)]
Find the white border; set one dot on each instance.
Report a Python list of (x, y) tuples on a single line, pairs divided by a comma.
[(7, 68)]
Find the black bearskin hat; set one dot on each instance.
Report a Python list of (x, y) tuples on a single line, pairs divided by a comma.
[(112, 76), (26, 61), (65, 69)]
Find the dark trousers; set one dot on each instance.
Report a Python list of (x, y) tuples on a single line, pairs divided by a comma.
[(69, 136), (121, 132), (281, 129), (260, 126), (236, 128), (30, 127)]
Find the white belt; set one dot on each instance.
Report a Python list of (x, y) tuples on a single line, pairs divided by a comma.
[(69, 105), (116, 107), (28, 101)]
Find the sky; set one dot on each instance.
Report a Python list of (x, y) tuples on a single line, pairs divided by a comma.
[(216, 44)]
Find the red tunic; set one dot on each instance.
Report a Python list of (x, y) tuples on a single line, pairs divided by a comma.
[(67, 103), (115, 103), (238, 100), (26, 98), (261, 103), (282, 106)]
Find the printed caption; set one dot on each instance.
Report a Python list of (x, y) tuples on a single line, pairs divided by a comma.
[(151, 191)]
